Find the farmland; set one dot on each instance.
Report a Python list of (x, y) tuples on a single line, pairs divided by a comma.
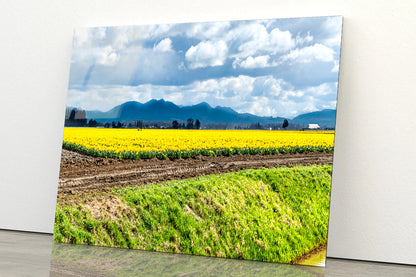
[(134, 144), (260, 195)]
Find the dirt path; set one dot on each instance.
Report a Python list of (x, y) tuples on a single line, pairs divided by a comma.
[(81, 173)]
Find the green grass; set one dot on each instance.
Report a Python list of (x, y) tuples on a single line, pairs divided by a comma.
[(195, 152), (271, 215)]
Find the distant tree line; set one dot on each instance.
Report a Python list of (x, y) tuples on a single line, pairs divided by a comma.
[(141, 124), (269, 126), (188, 125)]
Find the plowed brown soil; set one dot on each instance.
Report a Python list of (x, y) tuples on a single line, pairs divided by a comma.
[(82, 173)]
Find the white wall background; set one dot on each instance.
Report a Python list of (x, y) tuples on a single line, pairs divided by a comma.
[(373, 206)]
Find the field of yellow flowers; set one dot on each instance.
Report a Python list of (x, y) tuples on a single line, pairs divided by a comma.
[(148, 143)]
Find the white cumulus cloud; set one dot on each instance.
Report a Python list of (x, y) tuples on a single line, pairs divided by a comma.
[(164, 45), (250, 62), (316, 52), (261, 41), (207, 53), (203, 31)]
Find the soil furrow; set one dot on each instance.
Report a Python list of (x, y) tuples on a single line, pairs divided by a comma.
[(81, 173)]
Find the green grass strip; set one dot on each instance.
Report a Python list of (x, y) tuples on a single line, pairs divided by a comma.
[(273, 215), (195, 152)]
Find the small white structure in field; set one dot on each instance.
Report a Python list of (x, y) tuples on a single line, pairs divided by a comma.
[(313, 126)]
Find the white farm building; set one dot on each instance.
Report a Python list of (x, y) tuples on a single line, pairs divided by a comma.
[(313, 126)]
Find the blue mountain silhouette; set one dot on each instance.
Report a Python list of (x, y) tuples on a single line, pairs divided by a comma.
[(161, 110)]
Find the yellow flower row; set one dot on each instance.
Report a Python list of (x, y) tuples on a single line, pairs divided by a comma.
[(133, 140)]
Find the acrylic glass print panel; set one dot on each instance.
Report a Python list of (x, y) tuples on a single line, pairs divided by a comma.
[(211, 139)]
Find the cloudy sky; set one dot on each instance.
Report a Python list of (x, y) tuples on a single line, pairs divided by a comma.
[(280, 67)]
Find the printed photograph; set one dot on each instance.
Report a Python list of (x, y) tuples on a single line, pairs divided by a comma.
[(212, 139)]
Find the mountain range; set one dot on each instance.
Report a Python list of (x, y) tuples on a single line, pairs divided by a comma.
[(161, 110)]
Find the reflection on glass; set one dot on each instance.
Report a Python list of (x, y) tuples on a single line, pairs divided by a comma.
[(82, 260)]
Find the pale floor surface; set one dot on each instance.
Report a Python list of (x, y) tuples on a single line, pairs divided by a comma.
[(31, 254)]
